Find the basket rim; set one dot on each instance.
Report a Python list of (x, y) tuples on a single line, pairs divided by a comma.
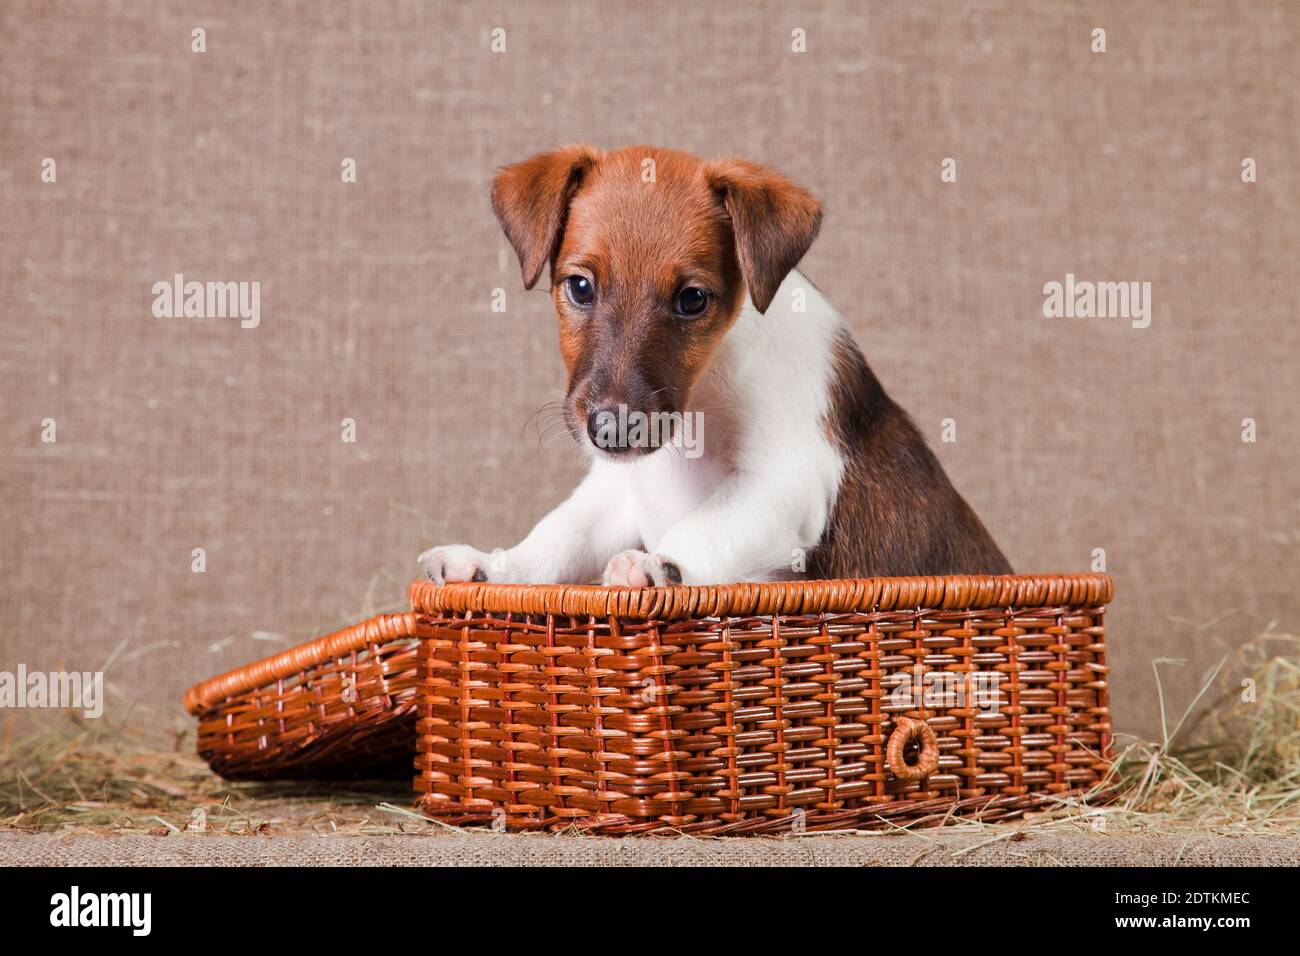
[(382, 628), (947, 592), (940, 592)]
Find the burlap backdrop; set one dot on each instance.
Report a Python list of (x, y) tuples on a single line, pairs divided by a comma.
[(177, 434)]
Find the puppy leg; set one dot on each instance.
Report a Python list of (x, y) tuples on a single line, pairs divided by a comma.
[(746, 531)]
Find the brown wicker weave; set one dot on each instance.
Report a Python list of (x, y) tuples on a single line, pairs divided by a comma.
[(758, 708), (339, 706)]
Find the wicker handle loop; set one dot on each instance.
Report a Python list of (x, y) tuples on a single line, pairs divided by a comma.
[(906, 729)]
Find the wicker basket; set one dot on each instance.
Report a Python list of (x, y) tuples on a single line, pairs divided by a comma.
[(759, 708), (342, 705)]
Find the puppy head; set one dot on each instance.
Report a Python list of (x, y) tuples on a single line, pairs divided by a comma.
[(651, 254)]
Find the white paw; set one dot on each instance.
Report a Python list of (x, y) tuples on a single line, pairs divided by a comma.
[(636, 569), (456, 562)]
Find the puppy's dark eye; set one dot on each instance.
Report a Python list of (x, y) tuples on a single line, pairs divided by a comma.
[(580, 290), (691, 301)]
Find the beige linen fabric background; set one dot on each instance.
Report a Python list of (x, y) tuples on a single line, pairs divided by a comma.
[(176, 434)]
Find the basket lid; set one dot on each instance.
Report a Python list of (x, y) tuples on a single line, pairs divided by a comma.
[(379, 629)]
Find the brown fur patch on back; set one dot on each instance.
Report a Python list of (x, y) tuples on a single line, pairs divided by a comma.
[(897, 513)]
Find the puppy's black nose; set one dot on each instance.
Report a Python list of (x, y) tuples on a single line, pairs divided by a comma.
[(599, 431), (603, 430)]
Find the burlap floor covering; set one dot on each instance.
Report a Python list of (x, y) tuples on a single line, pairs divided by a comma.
[(492, 849)]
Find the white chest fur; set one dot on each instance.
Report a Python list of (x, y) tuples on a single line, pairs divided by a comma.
[(760, 420)]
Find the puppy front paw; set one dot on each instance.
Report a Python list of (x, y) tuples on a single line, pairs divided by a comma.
[(637, 569), (455, 562)]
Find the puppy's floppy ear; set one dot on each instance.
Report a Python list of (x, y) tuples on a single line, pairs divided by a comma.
[(774, 220), (531, 200)]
